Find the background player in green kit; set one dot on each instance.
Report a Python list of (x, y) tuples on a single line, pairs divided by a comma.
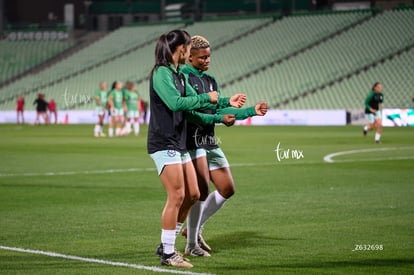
[(373, 111), (131, 98), (101, 99), (208, 159), (117, 106)]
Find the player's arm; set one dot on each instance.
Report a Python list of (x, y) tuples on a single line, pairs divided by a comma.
[(163, 84), (202, 118), (260, 109), (111, 101), (367, 101), (98, 102), (381, 104), (236, 101), (139, 103)]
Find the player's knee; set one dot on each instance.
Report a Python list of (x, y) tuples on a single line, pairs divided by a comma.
[(204, 190), (194, 197), (177, 197), (227, 191)]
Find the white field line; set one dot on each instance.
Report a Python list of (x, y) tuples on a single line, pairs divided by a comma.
[(92, 260), (125, 170), (70, 173), (329, 158)]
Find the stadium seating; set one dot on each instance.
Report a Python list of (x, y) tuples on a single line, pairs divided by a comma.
[(19, 56), (273, 60), (345, 53), (279, 39), (394, 74)]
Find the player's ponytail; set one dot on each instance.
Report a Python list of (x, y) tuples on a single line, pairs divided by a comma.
[(166, 46)]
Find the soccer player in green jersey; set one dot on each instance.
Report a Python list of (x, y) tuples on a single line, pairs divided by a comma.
[(101, 99), (117, 106), (373, 111), (208, 159), (167, 134), (171, 100), (131, 98)]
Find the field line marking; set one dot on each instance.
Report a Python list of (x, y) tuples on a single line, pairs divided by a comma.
[(329, 158), (69, 173), (98, 261), (126, 170)]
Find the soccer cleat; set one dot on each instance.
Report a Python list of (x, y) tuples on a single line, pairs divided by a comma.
[(159, 251), (202, 243), (175, 260), (196, 252), (364, 131)]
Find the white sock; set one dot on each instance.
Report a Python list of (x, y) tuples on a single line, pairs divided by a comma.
[(178, 228), (111, 132), (213, 203), (136, 128), (193, 223), (377, 136), (96, 130), (168, 240), (127, 127), (118, 131), (365, 128)]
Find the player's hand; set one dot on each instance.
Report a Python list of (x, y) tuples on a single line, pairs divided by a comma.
[(261, 108), (238, 100), (213, 97), (228, 119)]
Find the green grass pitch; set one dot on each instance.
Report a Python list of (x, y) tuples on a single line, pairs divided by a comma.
[(64, 191)]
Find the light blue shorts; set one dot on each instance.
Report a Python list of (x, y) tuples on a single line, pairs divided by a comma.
[(117, 112), (132, 114), (100, 111), (168, 157), (215, 157), (372, 117)]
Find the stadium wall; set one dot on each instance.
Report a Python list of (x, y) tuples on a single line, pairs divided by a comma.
[(391, 117)]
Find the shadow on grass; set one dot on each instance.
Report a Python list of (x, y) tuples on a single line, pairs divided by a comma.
[(243, 239), (366, 263)]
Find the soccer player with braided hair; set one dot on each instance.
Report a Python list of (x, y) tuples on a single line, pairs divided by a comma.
[(208, 159)]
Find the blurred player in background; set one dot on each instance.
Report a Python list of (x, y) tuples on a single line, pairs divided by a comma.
[(101, 99), (132, 100), (20, 109), (53, 110), (208, 159), (41, 109), (373, 111), (117, 106)]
